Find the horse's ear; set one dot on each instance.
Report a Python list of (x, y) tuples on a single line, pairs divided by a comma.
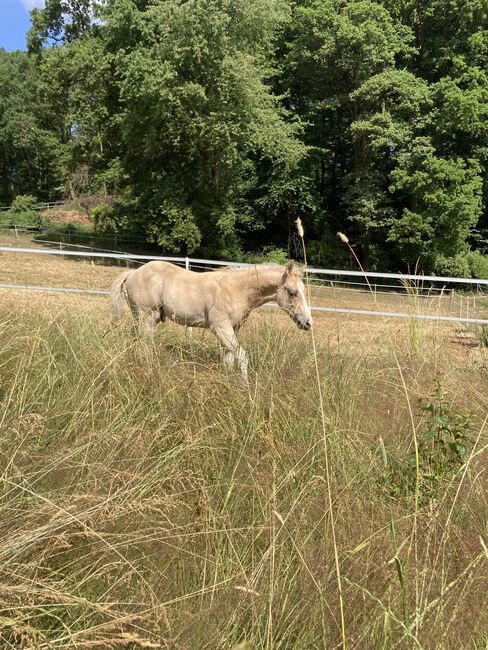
[(289, 267), (288, 270)]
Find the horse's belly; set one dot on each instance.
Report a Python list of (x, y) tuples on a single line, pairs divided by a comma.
[(191, 322), (188, 319)]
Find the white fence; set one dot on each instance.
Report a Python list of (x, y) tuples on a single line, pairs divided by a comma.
[(204, 263)]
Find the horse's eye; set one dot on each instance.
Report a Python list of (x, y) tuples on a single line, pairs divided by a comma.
[(293, 294)]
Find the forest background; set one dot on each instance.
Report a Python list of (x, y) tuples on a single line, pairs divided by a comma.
[(208, 126)]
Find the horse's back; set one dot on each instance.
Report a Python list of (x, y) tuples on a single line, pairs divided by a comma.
[(181, 294), (144, 285)]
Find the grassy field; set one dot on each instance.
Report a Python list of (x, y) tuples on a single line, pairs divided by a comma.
[(150, 500)]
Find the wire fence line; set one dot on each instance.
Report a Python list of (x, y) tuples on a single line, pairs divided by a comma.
[(362, 287), (34, 287), (328, 310), (54, 242), (61, 243), (15, 229)]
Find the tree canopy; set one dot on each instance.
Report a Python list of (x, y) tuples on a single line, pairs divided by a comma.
[(210, 125)]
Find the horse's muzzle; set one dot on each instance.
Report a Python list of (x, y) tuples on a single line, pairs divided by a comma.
[(304, 324)]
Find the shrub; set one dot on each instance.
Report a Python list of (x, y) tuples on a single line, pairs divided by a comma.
[(22, 213), (268, 254), (442, 449), (116, 217), (443, 445), (483, 335), (469, 265), (478, 265), (104, 218), (456, 266), (23, 203)]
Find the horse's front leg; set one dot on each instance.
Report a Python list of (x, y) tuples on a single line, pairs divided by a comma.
[(235, 353)]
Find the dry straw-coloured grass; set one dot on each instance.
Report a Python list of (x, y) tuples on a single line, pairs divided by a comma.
[(149, 499)]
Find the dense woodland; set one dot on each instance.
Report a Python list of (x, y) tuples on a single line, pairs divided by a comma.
[(210, 125)]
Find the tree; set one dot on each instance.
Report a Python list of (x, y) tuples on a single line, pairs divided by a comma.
[(209, 125), (442, 199), (336, 48), (32, 159), (444, 31), (197, 118), (60, 22)]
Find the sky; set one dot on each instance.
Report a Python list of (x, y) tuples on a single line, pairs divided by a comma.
[(15, 21)]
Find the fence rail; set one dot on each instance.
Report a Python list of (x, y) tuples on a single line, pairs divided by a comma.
[(196, 262), (199, 261), (48, 205)]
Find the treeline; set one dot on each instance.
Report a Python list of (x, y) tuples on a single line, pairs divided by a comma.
[(210, 125)]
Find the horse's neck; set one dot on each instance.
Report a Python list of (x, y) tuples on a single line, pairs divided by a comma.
[(263, 283)]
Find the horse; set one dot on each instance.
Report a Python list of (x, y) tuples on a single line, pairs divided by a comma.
[(219, 300)]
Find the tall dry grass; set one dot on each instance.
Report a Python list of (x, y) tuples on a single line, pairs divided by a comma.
[(150, 500)]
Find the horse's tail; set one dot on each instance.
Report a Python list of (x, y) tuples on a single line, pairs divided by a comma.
[(118, 296)]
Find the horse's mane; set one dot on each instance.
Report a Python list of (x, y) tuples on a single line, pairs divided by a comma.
[(242, 267)]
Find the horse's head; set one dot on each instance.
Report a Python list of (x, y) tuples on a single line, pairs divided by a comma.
[(290, 296)]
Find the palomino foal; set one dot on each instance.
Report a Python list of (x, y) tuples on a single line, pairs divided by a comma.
[(220, 300)]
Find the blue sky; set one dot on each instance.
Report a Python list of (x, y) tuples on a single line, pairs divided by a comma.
[(14, 22)]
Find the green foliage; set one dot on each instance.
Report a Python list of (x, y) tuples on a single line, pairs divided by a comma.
[(23, 203), (31, 158), (442, 450), (175, 227), (105, 219), (456, 266), (443, 446), (211, 125), (445, 202), (23, 214), (60, 21), (478, 265), (268, 254), (483, 335), (9, 219), (196, 109)]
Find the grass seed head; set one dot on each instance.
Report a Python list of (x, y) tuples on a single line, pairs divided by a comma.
[(299, 226)]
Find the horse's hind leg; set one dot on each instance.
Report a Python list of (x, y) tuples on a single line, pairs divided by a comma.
[(148, 321), (145, 320), (136, 314)]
